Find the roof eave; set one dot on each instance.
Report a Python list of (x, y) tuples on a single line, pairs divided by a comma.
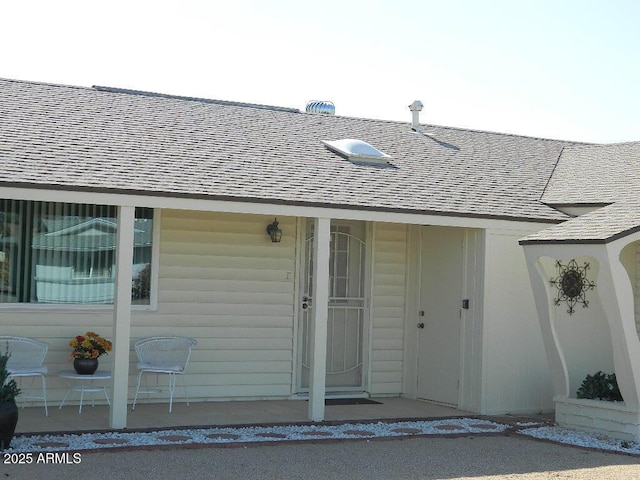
[(276, 201)]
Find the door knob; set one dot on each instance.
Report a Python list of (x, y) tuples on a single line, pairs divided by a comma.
[(421, 325)]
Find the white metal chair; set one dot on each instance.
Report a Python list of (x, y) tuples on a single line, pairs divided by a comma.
[(163, 355), (26, 360)]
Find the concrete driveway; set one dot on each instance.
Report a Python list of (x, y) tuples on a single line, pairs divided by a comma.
[(469, 457)]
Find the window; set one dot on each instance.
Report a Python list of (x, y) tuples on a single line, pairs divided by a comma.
[(65, 253)]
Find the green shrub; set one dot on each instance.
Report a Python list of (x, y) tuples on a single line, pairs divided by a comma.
[(8, 388), (600, 386)]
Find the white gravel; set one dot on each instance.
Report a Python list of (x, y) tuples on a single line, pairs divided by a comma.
[(299, 433), (583, 439), (222, 435)]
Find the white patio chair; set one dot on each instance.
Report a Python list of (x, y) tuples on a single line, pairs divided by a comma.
[(163, 355), (26, 360)]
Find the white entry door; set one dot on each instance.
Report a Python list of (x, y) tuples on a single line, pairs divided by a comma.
[(346, 315), (439, 326)]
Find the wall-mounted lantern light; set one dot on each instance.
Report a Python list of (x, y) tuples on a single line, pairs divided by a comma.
[(274, 231)]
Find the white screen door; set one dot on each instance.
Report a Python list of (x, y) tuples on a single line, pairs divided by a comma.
[(345, 329)]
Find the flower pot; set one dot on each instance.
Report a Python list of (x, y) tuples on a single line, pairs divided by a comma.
[(85, 366), (8, 422)]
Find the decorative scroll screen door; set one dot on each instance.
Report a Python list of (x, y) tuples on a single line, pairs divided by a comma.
[(345, 330)]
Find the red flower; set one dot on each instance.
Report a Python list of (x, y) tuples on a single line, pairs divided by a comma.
[(80, 339)]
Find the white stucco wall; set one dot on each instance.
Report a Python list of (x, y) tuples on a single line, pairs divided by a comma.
[(516, 375), (584, 335), (632, 263)]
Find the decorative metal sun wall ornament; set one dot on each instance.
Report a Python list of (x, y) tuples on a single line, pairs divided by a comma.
[(572, 284)]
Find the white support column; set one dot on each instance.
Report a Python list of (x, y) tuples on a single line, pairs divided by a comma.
[(546, 316), (616, 295), (320, 297), (122, 318)]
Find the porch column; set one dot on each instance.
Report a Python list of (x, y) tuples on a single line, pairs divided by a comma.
[(122, 318), (318, 326), (547, 318), (616, 296)]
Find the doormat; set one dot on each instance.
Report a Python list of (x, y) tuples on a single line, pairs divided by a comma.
[(350, 401)]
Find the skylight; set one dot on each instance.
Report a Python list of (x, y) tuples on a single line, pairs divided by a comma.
[(357, 151)]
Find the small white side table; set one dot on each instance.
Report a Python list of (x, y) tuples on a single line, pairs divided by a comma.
[(85, 383)]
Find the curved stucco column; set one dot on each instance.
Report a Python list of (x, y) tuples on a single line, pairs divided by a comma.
[(616, 295), (546, 315)]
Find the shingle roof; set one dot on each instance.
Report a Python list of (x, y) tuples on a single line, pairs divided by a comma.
[(115, 141), (599, 226), (595, 174)]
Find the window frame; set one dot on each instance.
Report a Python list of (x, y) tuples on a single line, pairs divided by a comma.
[(153, 287)]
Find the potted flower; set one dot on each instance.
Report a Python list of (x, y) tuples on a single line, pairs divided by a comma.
[(8, 409), (86, 350)]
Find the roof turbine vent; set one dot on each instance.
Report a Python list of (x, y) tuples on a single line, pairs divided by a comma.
[(323, 107), (416, 108)]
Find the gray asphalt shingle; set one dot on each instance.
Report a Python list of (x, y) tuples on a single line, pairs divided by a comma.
[(599, 226), (91, 139), (595, 175)]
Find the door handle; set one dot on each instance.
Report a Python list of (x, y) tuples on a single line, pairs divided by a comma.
[(421, 325)]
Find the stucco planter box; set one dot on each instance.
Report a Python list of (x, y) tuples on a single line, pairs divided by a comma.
[(614, 419)]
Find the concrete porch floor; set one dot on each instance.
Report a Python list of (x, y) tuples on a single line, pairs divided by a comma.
[(197, 414)]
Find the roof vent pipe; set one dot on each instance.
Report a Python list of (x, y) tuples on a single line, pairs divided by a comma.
[(416, 108), (324, 107)]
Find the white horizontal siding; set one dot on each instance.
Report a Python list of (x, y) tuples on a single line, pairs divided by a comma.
[(388, 308), (221, 281), (56, 328)]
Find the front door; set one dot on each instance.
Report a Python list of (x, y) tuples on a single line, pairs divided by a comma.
[(439, 326), (346, 315)]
